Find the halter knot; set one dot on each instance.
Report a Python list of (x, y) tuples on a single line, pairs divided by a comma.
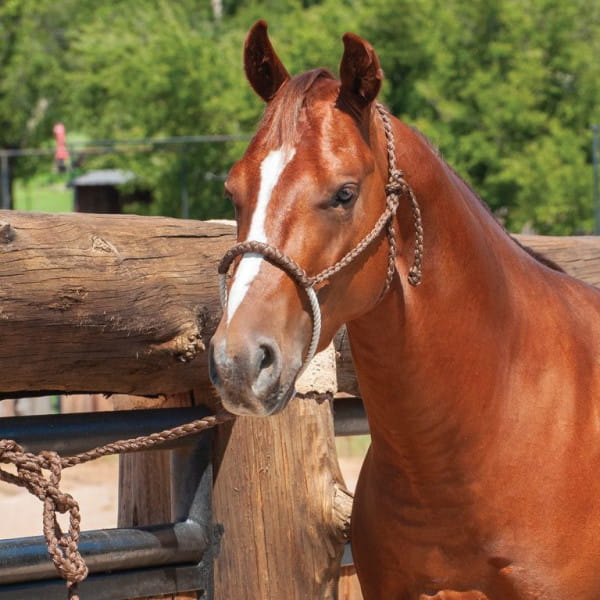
[(396, 183)]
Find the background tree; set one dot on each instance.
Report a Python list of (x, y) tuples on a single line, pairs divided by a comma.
[(506, 88)]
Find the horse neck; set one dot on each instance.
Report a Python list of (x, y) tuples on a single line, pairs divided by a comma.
[(425, 355)]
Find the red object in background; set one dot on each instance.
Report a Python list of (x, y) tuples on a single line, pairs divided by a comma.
[(61, 156)]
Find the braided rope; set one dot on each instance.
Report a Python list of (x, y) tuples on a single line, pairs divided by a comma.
[(63, 547), (398, 185), (293, 269), (316, 331)]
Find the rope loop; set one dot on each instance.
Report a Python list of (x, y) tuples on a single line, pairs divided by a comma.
[(62, 547), (273, 255)]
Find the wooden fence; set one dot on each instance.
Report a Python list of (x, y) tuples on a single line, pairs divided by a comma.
[(127, 305)]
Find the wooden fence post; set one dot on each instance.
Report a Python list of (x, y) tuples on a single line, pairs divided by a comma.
[(280, 509), (145, 479)]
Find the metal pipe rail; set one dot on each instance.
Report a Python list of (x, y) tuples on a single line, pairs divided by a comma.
[(77, 432), (26, 559), (116, 586), (73, 433), (349, 417), (163, 559)]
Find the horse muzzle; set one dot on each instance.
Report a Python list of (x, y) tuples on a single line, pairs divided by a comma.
[(249, 376)]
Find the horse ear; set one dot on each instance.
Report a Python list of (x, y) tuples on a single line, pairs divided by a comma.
[(264, 70), (360, 71)]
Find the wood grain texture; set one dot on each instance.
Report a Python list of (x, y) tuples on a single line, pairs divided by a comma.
[(277, 503), (145, 480), (107, 303), (117, 303), (578, 256)]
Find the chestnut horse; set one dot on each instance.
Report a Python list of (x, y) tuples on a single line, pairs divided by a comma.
[(478, 365)]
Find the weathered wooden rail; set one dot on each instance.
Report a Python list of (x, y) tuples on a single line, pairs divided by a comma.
[(127, 305)]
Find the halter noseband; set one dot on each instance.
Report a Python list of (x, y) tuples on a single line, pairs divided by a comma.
[(394, 189)]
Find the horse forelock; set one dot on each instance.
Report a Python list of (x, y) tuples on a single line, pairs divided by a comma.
[(281, 118)]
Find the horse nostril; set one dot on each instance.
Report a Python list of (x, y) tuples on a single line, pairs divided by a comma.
[(267, 365), (213, 372), (267, 357)]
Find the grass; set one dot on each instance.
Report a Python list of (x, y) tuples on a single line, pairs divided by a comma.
[(43, 194)]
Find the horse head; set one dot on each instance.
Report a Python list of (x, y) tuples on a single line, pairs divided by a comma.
[(309, 189)]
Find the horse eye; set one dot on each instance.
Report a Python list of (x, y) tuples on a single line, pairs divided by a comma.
[(344, 196)]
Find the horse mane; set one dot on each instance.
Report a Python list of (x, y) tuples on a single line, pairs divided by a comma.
[(283, 112), (544, 260), (541, 258)]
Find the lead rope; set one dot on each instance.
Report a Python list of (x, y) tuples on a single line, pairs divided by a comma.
[(394, 189), (397, 185), (63, 547)]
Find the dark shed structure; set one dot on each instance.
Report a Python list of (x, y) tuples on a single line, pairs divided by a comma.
[(99, 191)]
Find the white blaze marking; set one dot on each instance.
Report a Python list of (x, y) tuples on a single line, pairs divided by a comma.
[(271, 169)]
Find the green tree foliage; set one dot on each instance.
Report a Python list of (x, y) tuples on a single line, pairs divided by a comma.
[(34, 52), (159, 72), (506, 88)]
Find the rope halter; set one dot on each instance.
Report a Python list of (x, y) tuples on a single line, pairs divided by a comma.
[(394, 189)]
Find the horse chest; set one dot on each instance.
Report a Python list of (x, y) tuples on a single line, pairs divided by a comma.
[(405, 551), (402, 549)]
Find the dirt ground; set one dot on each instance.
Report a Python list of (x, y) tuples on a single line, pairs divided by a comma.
[(94, 485)]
